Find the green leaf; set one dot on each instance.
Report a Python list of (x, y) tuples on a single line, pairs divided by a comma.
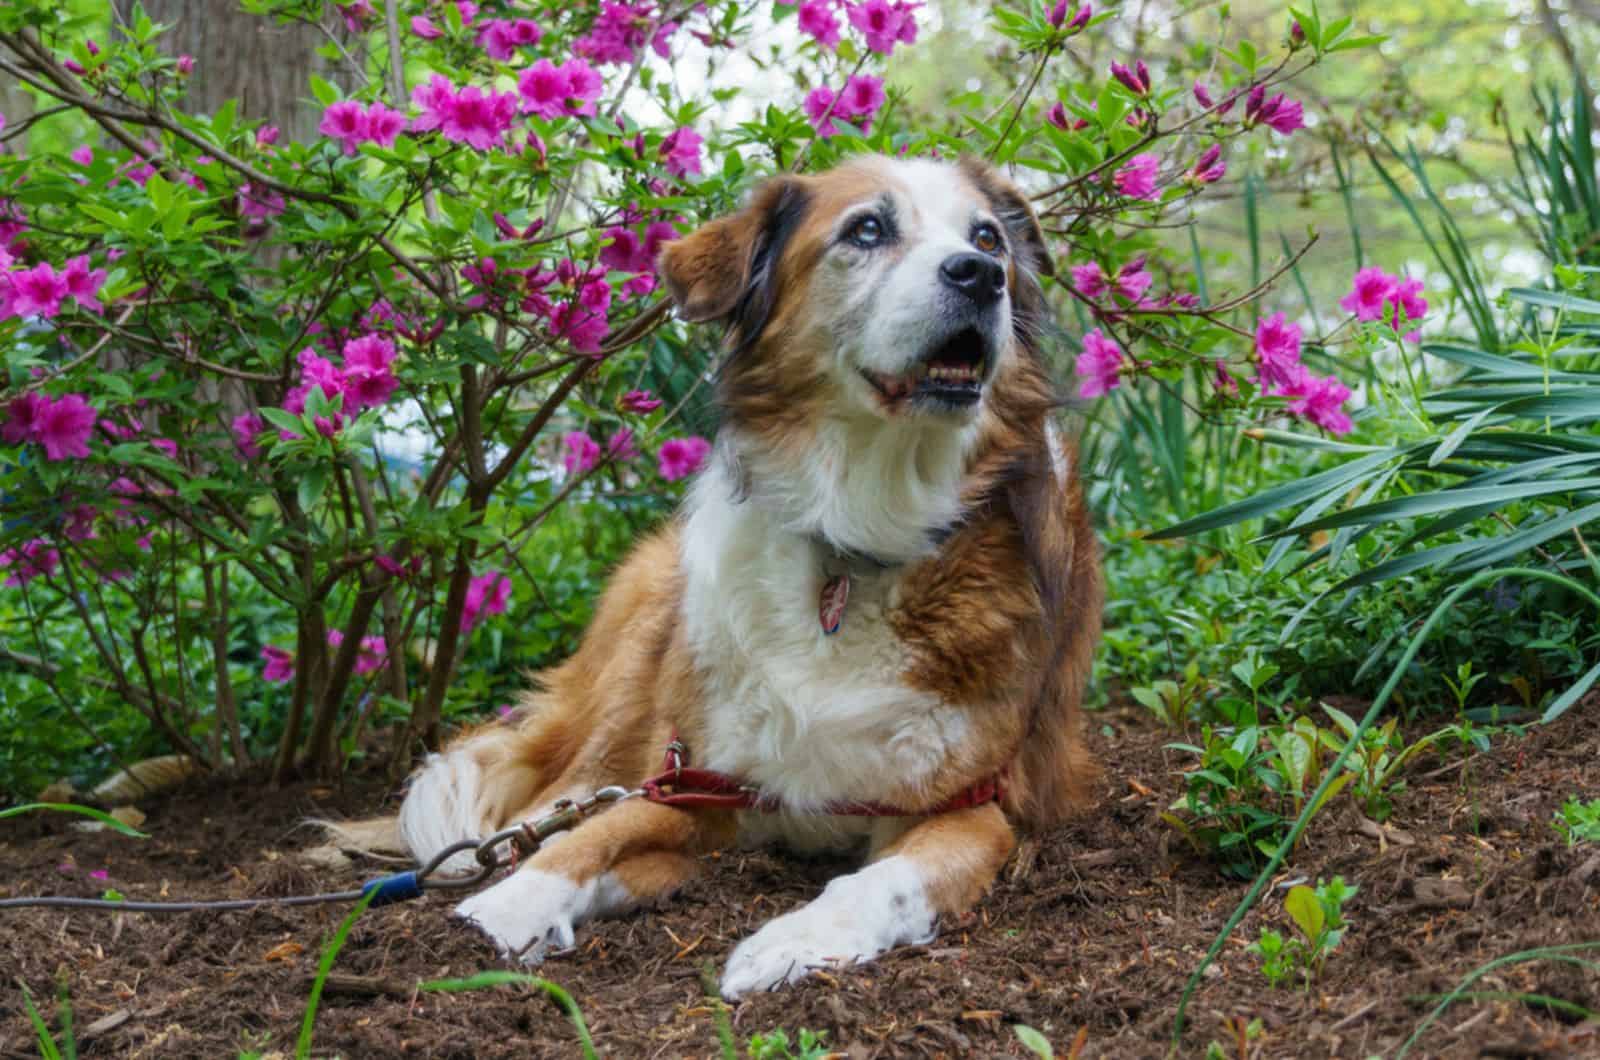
[(1033, 1041), (326, 94), (1303, 908), (67, 807), (312, 485)]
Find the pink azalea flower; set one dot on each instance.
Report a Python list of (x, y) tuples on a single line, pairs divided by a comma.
[(880, 22), (1089, 280), (423, 27), (544, 88), (1100, 364), (1407, 303), (84, 283), (384, 125), (33, 559), (618, 33), (1209, 169), (185, 65), (680, 151), (500, 38), (246, 428), (1135, 80), (1277, 350), (1079, 19), (37, 291), (22, 418), (1279, 113), (583, 328), (368, 376), (1137, 179), (1370, 288), (620, 445), (1202, 95), (1316, 399), (862, 96), (279, 664), (487, 594), (640, 402), (64, 426), (479, 119), (370, 655), (79, 523), (100, 874), (346, 122), (582, 452), (166, 446), (1133, 280), (816, 17), (259, 204), (681, 457), (821, 110), (83, 154), (436, 99)]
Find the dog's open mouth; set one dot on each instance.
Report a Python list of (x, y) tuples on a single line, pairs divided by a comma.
[(950, 374)]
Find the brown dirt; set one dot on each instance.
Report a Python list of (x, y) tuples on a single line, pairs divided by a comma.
[(1090, 935)]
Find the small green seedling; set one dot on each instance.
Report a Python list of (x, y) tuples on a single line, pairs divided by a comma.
[(775, 1045), (1578, 822), (1318, 914), (1033, 1041)]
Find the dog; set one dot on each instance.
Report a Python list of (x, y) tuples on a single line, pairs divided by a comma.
[(873, 618)]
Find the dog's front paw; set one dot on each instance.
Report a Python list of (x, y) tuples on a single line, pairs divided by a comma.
[(528, 914), (855, 919)]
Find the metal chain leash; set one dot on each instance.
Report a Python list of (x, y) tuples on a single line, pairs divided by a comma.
[(524, 839)]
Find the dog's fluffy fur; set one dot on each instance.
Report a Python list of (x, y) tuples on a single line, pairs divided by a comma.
[(973, 611)]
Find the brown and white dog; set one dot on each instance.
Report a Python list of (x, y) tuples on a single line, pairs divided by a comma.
[(887, 427)]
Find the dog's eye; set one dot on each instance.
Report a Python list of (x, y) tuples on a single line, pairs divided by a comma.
[(987, 239), (867, 232)]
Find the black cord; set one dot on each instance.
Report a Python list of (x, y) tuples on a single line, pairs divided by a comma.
[(113, 906)]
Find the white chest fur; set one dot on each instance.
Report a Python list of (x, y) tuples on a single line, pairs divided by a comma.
[(808, 717)]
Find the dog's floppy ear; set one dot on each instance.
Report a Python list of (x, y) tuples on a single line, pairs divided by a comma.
[(1013, 210), (727, 267)]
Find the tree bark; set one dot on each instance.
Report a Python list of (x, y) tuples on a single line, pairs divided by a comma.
[(264, 65)]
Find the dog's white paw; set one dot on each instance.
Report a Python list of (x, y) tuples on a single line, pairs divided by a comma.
[(529, 913), (855, 919)]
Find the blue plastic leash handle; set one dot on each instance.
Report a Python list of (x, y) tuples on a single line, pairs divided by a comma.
[(401, 887)]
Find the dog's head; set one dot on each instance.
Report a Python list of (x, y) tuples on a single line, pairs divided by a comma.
[(884, 288)]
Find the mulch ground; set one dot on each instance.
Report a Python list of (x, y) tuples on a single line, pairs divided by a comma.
[(1089, 936)]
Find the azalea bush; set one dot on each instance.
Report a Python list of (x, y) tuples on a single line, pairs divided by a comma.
[(293, 432)]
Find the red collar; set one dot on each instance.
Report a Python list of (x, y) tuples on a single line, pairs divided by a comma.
[(678, 784)]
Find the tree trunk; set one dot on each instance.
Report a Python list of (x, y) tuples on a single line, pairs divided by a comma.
[(264, 65)]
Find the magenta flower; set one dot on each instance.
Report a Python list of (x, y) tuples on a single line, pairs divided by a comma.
[(1135, 80), (435, 98), (680, 151), (884, 24), (1202, 95), (1279, 113), (1209, 169), (1133, 280), (581, 452), (816, 17), (423, 27), (1137, 179), (640, 402), (32, 559), (1277, 350), (37, 291), (1100, 364), (246, 428), (479, 119), (185, 65), (1080, 16), (500, 38), (1089, 280), (1370, 288), (681, 457), (84, 283), (384, 125), (63, 427), (862, 96), (551, 91), (368, 376), (1408, 304), (820, 109), (370, 655), (1318, 400), (346, 122), (487, 594), (620, 446), (22, 418), (259, 204), (83, 155), (584, 329), (279, 664)]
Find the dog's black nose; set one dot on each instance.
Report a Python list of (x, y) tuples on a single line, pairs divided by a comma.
[(978, 276)]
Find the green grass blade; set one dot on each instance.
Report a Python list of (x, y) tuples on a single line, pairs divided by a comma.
[(1442, 501), (41, 1029), (330, 952), (562, 999), (1336, 479), (67, 807)]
